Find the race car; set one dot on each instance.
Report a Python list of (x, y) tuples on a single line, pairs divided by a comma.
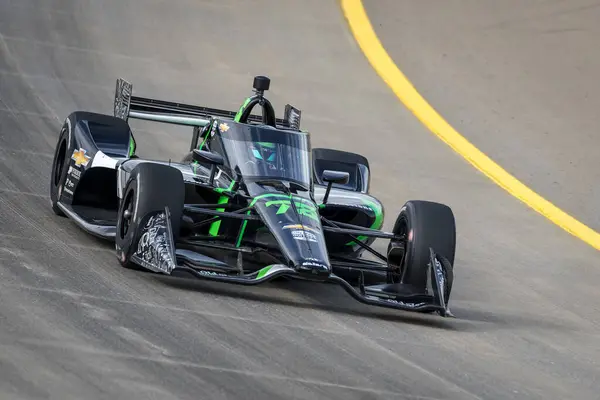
[(251, 201)]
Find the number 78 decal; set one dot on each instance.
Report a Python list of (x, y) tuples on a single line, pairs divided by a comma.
[(309, 211)]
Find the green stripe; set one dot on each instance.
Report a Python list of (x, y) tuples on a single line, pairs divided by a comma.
[(283, 196), (376, 224), (242, 231), (263, 271), (131, 146), (222, 190), (241, 110), (214, 126), (214, 227)]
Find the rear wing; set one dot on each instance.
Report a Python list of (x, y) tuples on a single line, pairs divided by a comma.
[(126, 106)]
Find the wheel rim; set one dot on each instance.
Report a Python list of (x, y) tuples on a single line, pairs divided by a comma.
[(127, 214), (59, 166), (401, 229)]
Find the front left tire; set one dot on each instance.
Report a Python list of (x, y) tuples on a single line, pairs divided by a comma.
[(151, 188), (60, 167)]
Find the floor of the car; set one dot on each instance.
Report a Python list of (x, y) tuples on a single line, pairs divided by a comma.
[(96, 216)]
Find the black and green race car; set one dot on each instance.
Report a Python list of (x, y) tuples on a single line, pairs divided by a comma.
[(250, 202)]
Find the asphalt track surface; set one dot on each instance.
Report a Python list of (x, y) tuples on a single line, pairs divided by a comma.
[(74, 325), (518, 79)]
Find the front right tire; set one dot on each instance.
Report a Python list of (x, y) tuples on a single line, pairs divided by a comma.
[(422, 225)]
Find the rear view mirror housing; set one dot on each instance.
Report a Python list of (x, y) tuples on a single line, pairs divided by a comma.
[(340, 177), (332, 177), (207, 157)]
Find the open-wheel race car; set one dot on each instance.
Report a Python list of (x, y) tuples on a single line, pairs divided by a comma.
[(250, 202)]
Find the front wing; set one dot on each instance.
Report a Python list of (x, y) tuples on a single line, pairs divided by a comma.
[(387, 295), (159, 254)]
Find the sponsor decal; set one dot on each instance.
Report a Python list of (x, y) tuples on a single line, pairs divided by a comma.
[(312, 259), (124, 91), (80, 157), (69, 184), (68, 191), (314, 264), (211, 273), (405, 304), (155, 247), (439, 275), (102, 160), (349, 205), (304, 235), (361, 206), (74, 173), (223, 127), (301, 227)]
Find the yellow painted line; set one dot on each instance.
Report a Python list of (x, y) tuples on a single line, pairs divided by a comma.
[(372, 48)]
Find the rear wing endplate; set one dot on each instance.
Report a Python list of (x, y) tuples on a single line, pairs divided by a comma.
[(126, 106)]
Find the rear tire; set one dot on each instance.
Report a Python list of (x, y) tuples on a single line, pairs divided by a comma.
[(151, 188), (425, 225)]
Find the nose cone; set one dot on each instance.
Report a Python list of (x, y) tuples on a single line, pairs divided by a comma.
[(298, 232)]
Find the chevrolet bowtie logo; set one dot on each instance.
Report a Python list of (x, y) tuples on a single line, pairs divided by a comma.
[(80, 158), (223, 127)]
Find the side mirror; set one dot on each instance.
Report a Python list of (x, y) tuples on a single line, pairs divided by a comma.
[(208, 157), (332, 177), (335, 176)]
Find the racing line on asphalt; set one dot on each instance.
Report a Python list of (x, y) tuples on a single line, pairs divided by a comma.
[(371, 46)]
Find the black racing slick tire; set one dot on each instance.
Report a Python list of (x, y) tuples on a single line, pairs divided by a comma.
[(150, 188), (423, 225), (60, 166)]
